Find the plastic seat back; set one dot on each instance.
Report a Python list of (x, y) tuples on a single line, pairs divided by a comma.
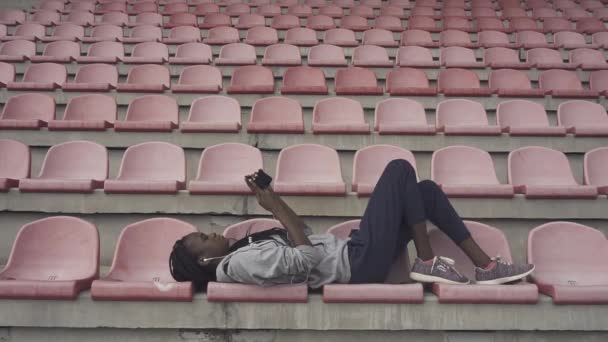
[(153, 108), (595, 164), (75, 160), (460, 112), (15, 159), (228, 163), (537, 165), (447, 166), (153, 161), (91, 107), (29, 107)]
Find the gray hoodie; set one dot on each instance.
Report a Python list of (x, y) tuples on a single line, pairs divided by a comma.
[(274, 261)]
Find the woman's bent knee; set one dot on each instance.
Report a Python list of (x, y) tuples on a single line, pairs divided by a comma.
[(428, 185), (400, 164)]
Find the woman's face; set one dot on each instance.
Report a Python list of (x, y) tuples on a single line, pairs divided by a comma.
[(202, 245)]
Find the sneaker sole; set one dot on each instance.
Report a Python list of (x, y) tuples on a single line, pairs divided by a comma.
[(424, 278), (506, 279)]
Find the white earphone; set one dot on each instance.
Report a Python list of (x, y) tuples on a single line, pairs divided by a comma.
[(209, 259)]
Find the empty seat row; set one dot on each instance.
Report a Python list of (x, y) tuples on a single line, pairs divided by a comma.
[(160, 113), (140, 271), (155, 167)]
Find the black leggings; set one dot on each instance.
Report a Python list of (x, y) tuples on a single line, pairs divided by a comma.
[(397, 203)]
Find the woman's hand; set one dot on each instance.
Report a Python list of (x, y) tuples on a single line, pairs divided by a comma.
[(267, 198)]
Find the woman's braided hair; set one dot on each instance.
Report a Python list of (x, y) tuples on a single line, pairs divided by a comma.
[(185, 267)]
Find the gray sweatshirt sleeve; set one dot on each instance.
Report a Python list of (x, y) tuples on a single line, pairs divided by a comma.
[(269, 266)]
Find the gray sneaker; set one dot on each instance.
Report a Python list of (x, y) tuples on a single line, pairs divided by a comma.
[(502, 272), (440, 271)]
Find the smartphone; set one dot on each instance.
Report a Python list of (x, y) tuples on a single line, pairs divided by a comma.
[(263, 180)]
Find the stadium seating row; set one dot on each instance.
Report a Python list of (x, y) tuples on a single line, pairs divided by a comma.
[(140, 270), (158, 167), (160, 113), (254, 79), (324, 54)]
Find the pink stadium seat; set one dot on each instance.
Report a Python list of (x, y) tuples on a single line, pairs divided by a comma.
[(15, 163), (65, 31), (456, 38), (113, 18), (594, 168), (379, 37), (174, 8), (371, 56), (235, 292), (592, 4), (56, 6), (344, 3), (282, 54), (320, 22), (564, 4), (356, 81), (184, 19), (401, 116), (140, 271), (213, 114), (141, 7), (301, 11), (422, 23), (363, 11), (571, 40), (392, 291), (526, 24), (532, 39), (150, 167), (489, 39), (479, 12), (92, 112), (236, 54), (491, 24), (82, 18), (104, 33), (146, 18), (94, 77), (301, 36), (111, 6), (12, 16), (150, 113), (598, 81), (459, 57), (103, 52), (370, 162), (285, 22), (354, 23), (567, 256), (542, 58), (43, 76), (588, 59), (514, 12), (148, 53), (389, 23), (500, 57), (391, 12), (199, 79), (269, 10), (563, 83), (409, 81), (296, 175), (457, 23), (453, 12), (237, 9), (418, 38), (523, 117), (222, 35), (583, 118), (192, 53), (222, 168), (370, 3), (182, 35), (416, 56), (340, 37), (206, 8), (339, 115), (52, 258), (463, 117), (251, 79), (544, 13), (475, 178), (27, 31), (460, 82), (146, 78), (73, 166), (556, 24), (276, 115), (145, 33), (540, 172), (7, 73), (512, 83), (46, 17), (600, 13), (315, 3), (326, 55), (304, 80), (27, 111), (58, 52), (261, 36), (400, 3), (590, 25), (247, 21), (494, 242), (332, 10)]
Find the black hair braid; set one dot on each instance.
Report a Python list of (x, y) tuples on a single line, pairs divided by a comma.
[(184, 267)]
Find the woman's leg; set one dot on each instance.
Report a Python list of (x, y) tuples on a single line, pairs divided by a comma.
[(395, 206)]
